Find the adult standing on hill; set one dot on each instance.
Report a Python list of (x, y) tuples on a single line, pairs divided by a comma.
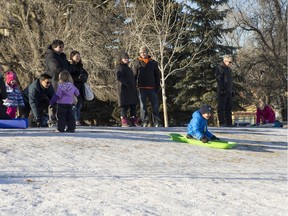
[(224, 80), (56, 61), (148, 83), (126, 90), (79, 76)]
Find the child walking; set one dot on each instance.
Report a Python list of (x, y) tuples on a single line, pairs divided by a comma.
[(14, 96), (64, 96)]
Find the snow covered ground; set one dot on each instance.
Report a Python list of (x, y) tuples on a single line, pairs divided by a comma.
[(140, 171)]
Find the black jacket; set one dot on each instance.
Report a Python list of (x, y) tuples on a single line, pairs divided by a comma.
[(55, 63), (37, 96), (80, 76), (126, 87), (3, 95), (147, 75), (224, 78)]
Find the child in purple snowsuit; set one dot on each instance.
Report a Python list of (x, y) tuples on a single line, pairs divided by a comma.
[(65, 97)]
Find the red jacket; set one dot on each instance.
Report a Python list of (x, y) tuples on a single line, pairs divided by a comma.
[(267, 115)]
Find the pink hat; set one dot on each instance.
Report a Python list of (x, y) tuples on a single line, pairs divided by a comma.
[(10, 75)]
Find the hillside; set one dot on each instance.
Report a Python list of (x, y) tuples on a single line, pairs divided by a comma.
[(140, 171)]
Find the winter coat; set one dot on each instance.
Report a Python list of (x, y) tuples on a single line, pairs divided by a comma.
[(224, 78), (14, 98), (126, 87), (80, 76), (55, 63), (267, 115), (197, 126), (35, 95), (147, 75), (66, 92), (3, 93)]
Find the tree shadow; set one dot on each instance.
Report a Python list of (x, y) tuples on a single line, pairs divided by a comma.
[(128, 175)]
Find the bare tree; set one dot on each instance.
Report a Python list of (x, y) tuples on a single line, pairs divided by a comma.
[(262, 59), (86, 26), (162, 26)]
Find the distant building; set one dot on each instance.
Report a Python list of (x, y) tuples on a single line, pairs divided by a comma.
[(245, 117)]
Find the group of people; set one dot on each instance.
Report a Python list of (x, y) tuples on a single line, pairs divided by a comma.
[(137, 83), (197, 127), (60, 89), (63, 84)]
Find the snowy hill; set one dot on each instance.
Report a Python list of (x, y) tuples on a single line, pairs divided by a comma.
[(140, 171)]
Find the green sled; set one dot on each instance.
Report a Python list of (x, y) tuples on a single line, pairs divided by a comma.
[(220, 144)]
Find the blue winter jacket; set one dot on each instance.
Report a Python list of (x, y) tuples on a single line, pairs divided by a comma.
[(197, 126)]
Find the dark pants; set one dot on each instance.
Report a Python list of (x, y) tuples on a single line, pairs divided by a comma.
[(224, 109), (124, 110), (78, 108), (24, 112), (143, 94), (3, 110), (66, 116)]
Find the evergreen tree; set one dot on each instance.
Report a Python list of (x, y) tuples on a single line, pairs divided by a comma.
[(198, 85)]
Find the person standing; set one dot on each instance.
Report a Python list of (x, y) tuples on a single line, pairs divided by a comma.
[(56, 61), (224, 80), (3, 95), (36, 98), (126, 91), (148, 83), (14, 96), (80, 76), (64, 96)]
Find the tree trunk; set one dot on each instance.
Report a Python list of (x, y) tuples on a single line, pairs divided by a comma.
[(164, 101)]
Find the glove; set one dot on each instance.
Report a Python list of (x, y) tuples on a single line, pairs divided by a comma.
[(125, 84), (189, 136), (204, 139), (214, 138), (82, 78), (38, 123)]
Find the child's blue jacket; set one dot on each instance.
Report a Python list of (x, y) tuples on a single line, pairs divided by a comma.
[(197, 126)]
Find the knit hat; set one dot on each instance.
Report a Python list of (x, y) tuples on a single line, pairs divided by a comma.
[(124, 55), (205, 109), (10, 75), (143, 49)]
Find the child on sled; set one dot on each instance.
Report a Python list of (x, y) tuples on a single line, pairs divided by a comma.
[(197, 127)]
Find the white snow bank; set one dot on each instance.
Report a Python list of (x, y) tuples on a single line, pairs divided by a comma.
[(140, 171)]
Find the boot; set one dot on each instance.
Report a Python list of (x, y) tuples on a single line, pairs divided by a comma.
[(145, 123), (134, 122), (157, 122), (124, 122)]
